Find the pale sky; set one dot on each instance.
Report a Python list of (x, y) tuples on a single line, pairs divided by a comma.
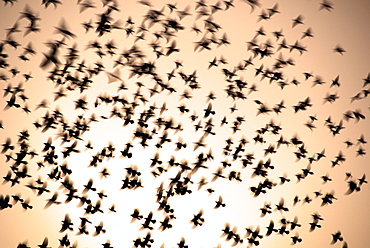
[(249, 58)]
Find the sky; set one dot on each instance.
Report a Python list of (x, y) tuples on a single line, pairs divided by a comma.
[(211, 86)]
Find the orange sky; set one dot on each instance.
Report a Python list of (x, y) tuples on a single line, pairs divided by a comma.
[(342, 26)]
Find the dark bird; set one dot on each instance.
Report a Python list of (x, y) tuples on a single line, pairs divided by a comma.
[(165, 224), (281, 206), (314, 225), (7, 146), (99, 229), (296, 239), (352, 186), (307, 33), (197, 220), (44, 243), (52, 200), (337, 236), (271, 229), (339, 49), (49, 2), (326, 5), (252, 3), (148, 221), (220, 203), (298, 20), (66, 224)]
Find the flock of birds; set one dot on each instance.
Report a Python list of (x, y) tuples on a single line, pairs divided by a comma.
[(186, 135)]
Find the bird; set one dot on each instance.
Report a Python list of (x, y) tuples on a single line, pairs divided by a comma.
[(339, 49), (148, 221), (45, 243), (52, 200), (280, 206), (271, 228), (220, 203), (66, 224), (337, 236), (326, 5), (298, 20), (197, 220)]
